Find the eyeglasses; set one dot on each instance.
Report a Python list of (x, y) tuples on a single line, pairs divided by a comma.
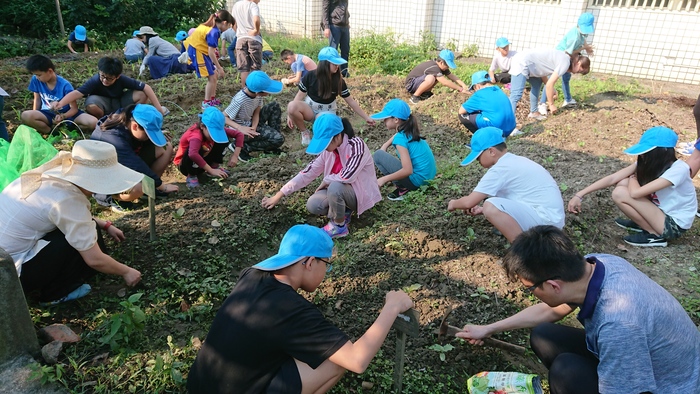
[(531, 289), (329, 266), (106, 78)]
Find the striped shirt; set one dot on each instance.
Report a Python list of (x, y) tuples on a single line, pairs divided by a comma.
[(242, 108)]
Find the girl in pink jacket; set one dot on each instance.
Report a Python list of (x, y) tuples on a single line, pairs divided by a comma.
[(349, 180)]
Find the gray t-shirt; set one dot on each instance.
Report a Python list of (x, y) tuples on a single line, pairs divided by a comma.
[(540, 63), (642, 336)]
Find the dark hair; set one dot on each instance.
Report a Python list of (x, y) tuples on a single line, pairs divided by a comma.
[(441, 60), (327, 80), (122, 118), (347, 128), (542, 253), (411, 128), (652, 164), (39, 63), (220, 16), (286, 53), (501, 147), (110, 66)]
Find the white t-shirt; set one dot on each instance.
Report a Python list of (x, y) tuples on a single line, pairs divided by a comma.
[(56, 204), (243, 12), (540, 63), (678, 200), (520, 179), (502, 62)]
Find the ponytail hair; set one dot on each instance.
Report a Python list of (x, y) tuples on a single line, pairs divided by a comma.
[(652, 164), (347, 128), (411, 128), (218, 17), (119, 119)]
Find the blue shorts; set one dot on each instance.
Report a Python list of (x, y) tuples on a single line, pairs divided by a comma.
[(50, 115), (203, 66)]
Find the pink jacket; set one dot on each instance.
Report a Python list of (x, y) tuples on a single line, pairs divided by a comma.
[(358, 171)]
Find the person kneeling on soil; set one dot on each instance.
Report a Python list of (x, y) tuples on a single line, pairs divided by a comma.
[(203, 145), (523, 194), (636, 338), (267, 338), (47, 228), (415, 166), (656, 193), (135, 132), (349, 181), (488, 106)]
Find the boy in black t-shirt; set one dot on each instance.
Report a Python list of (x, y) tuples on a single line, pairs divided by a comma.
[(421, 80), (268, 338), (109, 90)]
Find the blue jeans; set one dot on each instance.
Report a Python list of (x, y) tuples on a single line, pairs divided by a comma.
[(564, 87), (232, 52), (340, 36), (3, 128), (517, 87)]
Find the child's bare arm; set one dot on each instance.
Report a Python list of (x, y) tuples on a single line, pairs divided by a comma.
[(467, 202), (67, 99), (37, 102)]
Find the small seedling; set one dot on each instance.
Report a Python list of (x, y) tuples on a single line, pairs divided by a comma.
[(179, 213), (442, 350)]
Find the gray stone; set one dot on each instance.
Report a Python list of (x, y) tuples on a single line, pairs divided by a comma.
[(17, 335), (58, 332), (51, 351), (15, 378)]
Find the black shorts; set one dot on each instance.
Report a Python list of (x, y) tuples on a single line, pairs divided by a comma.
[(287, 380)]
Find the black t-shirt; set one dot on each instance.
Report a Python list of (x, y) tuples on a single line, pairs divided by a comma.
[(262, 324), (427, 68), (115, 90), (309, 85)]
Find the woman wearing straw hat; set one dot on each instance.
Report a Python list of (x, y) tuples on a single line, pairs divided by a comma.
[(47, 228)]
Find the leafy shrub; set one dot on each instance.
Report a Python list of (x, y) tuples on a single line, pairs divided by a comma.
[(375, 53)]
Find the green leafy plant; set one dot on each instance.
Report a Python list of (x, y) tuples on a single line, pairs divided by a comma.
[(47, 373), (123, 325), (442, 350)]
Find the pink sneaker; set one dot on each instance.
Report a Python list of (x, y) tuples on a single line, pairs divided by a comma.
[(335, 231)]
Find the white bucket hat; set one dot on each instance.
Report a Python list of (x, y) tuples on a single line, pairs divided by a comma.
[(147, 30), (92, 165)]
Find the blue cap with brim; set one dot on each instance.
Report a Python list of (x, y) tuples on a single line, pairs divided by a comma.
[(214, 120), (326, 126), (655, 137), (502, 42), (395, 108), (151, 120), (330, 54), (300, 241), (479, 77), (258, 81), (448, 57), (181, 35), (483, 139), (80, 33), (585, 23), (136, 33)]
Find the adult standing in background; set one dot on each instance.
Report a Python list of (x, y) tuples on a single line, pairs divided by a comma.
[(336, 27), (249, 42)]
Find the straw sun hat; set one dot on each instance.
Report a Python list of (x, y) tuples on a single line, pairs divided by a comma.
[(92, 165)]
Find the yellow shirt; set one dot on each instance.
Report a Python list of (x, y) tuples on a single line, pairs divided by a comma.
[(198, 39)]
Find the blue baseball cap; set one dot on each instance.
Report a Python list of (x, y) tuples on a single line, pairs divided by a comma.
[(502, 42), (258, 81), (330, 54), (214, 120), (395, 108), (326, 127), (181, 35), (300, 241), (479, 77), (483, 139), (448, 57), (80, 33), (585, 23), (148, 117), (136, 33), (655, 137)]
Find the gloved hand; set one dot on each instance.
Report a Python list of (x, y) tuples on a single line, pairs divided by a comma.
[(164, 110)]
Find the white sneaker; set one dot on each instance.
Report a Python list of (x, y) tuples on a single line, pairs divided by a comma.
[(568, 103), (536, 115), (516, 131), (542, 108), (305, 138)]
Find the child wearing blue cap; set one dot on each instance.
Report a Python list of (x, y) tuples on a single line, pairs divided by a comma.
[(415, 166), (488, 106), (268, 338), (202, 146), (78, 37), (134, 49), (501, 61), (349, 180), (260, 124), (135, 132), (519, 193), (318, 90), (421, 80), (656, 193)]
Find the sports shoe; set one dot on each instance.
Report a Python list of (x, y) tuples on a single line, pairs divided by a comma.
[(569, 103), (516, 131), (305, 138), (542, 108), (116, 206), (205, 105), (244, 156), (697, 213), (507, 86), (335, 231), (348, 217), (628, 224), (80, 292), (397, 195), (686, 149), (426, 95), (536, 115), (415, 99), (192, 181), (214, 102), (645, 239)]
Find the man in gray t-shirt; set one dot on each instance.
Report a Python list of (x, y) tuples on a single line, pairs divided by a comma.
[(636, 338)]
